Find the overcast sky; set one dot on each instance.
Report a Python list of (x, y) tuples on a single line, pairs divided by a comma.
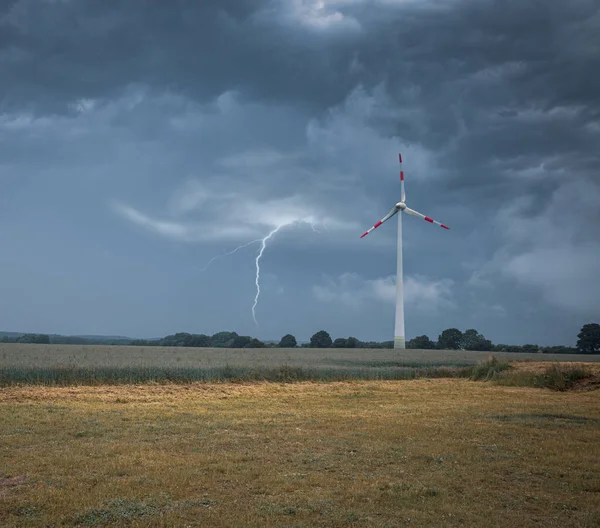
[(140, 139)]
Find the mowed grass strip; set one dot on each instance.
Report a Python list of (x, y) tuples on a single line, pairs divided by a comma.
[(443, 452)]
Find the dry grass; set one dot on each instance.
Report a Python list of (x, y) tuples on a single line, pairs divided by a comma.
[(538, 367), (416, 453), (555, 376)]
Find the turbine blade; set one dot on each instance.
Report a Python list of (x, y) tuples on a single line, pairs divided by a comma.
[(392, 212), (402, 193), (426, 218)]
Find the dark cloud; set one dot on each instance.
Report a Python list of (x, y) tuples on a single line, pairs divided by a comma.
[(495, 105), (62, 51)]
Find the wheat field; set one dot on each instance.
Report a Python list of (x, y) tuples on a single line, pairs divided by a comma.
[(96, 365), (32, 355)]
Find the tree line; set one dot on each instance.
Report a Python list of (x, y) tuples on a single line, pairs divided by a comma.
[(588, 341)]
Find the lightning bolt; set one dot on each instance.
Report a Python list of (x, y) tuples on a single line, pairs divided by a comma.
[(230, 252), (263, 246), (257, 262)]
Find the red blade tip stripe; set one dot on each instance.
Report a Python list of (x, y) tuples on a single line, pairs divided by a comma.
[(400, 157), (364, 234), (427, 219), (444, 226)]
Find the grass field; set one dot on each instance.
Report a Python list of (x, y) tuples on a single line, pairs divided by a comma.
[(48, 356), (424, 452), (25, 355), (400, 453), (89, 365)]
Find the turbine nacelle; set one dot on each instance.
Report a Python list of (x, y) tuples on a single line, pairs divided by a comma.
[(401, 206)]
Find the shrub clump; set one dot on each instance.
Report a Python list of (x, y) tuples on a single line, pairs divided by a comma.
[(490, 369), (554, 377), (561, 377)]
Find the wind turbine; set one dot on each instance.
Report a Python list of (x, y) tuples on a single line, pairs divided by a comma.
[(399, 336)]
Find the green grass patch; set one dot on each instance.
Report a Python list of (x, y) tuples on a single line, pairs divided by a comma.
[(553, 418), (122, 511), (400, 364), (68, 376), (117, 511), (555, 377), (491, 369)]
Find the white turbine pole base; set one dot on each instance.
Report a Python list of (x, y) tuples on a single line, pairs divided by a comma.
[(399, 336)]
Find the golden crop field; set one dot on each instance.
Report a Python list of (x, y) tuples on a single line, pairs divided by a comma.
[(428, 452)]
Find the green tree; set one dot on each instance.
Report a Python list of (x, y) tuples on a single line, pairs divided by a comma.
[(352, 342), (473, 340), (255, 343), (421, 343), (288, 341), (558, 350), (530, 349), (199, 340), (321, 339), (223, 339), (179, 339), (34, 338), (450, 339), (241, 341), (340, 342), (588, 339)]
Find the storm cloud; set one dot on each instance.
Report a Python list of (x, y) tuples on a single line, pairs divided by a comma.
[(140, 139)]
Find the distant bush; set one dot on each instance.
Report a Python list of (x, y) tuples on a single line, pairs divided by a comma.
[(42, 339), (376, 344), (558, 350), (421, 342), (525, 349)]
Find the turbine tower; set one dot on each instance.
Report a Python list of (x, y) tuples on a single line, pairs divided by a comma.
[(399, 335)]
